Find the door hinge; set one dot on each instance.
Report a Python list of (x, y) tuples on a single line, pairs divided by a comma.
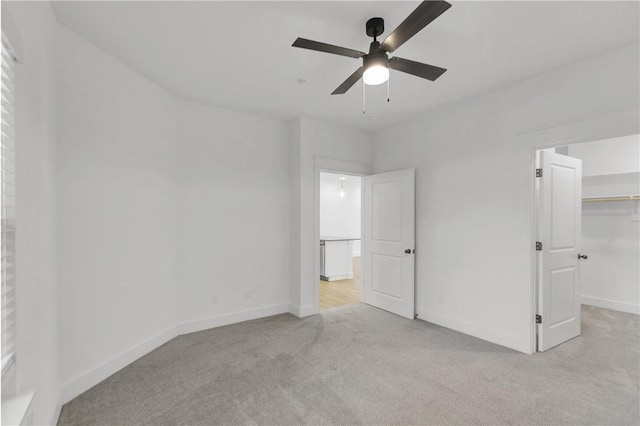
[(538, 172), (538, 246), (538, 319)]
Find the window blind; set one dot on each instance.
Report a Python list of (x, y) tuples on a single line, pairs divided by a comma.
[(8, 207)]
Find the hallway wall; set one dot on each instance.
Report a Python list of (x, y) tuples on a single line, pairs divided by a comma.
[(341, 216)]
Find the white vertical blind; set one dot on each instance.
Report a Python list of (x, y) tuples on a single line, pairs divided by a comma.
[(8, 199)]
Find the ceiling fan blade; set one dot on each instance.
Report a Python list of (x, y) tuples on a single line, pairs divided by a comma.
[(430, 72), (425, 13), (328, 48), (353, 78)]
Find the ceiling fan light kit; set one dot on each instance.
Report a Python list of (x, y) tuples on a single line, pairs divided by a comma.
[(376, 64), (376, 74)]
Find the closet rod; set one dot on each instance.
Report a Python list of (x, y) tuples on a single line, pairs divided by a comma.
[(613, 198)]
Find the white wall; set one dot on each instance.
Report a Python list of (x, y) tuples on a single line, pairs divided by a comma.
[(314, 143), (341, 216), (233, 216), (611, 156), (116, 213), (611, 239), (610, 277), (37, 308), (474, 190)]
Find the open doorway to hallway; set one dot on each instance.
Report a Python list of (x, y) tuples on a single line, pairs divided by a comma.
[(340, 245)]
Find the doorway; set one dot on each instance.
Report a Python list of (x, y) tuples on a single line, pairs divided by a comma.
[(387, 218), (340, 239), (602, 259)]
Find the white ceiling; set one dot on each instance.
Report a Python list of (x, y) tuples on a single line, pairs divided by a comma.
[(238, 54)]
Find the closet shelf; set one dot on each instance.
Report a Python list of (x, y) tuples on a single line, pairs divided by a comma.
[(611, 175), (611, 198)]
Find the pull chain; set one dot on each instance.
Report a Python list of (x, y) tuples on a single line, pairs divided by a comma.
[(363, 97), (388, 81)]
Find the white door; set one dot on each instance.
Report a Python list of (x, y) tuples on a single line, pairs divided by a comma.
[(389, 226), (560, 210)]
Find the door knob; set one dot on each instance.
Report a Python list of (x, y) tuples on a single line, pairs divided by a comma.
[(408, 251), (582, 256)]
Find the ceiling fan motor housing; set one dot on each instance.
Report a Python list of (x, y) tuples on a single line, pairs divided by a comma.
[(376, 56), (373, 59)]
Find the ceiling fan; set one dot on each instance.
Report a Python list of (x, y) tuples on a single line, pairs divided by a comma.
[(376, 63)]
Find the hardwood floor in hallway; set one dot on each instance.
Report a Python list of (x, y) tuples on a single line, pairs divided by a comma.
[(342, 292)]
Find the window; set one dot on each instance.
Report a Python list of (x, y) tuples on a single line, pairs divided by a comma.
[(8, 208)]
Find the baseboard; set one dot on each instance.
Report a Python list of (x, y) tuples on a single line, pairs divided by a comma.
[(474, 330), (611, 304), (302, 312), (232, 318), (84, 382), (294, 310)]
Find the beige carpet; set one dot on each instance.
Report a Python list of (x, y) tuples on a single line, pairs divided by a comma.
[(361, 365)]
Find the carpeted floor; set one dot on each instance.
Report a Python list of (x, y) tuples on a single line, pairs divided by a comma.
[(361, 365)]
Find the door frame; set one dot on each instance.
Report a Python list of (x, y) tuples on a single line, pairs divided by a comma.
[(347, 168), (618, 124)]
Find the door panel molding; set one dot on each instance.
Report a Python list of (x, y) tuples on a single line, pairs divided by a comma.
[(389, 241), (560, 227)]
